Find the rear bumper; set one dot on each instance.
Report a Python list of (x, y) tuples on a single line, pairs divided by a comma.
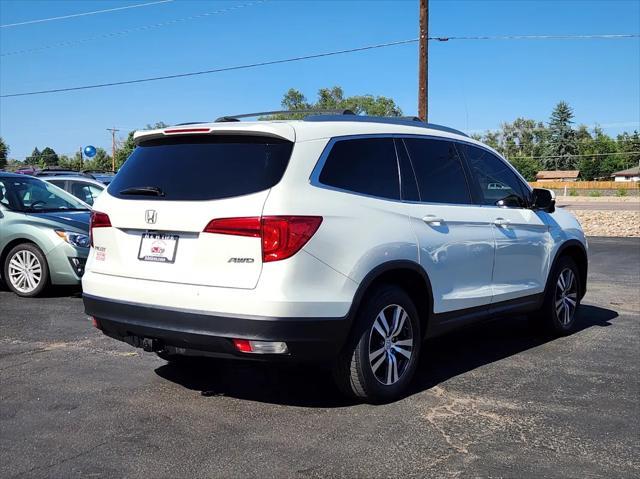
[(197, 333)]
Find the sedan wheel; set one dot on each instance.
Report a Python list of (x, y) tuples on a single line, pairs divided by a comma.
[(25, 270)]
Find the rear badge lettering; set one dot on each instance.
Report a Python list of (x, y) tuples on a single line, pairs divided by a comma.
[(241, 260), (101, 253)]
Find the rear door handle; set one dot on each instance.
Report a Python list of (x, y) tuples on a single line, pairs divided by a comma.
[(501, 222), (432, 219)]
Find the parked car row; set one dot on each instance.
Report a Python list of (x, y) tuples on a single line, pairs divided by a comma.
[(104, 177)]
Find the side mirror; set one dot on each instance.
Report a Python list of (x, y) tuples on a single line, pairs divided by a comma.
[(544, 200)]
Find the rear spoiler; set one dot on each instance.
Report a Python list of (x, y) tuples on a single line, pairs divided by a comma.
[(274, 130)]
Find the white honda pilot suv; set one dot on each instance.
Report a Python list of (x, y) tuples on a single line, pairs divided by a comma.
[(336, 238)]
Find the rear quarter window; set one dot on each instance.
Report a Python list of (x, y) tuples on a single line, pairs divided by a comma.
[(364, 165), (192, 168)]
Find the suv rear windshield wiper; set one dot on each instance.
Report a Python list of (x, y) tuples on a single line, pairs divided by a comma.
[(143, 191)]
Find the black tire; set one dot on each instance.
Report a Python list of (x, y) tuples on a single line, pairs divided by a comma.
[(30, 250), (354, 371), (554, 317)]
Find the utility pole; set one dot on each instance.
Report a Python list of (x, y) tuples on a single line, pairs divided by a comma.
[(423, 75), (113, 147), (81, 159)]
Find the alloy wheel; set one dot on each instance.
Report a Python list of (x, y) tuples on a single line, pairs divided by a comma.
[(566, 298), (25, 271), (390, 344)]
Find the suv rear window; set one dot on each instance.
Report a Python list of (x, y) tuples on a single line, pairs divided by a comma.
[(192, 168)]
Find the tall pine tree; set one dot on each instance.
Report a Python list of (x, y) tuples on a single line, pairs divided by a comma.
[(34, 159), (562, 142)]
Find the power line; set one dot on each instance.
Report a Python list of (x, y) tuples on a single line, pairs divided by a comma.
[(70, 43), (613, 36), (95, 12), (226, 10), (216, 70), (265, 63)]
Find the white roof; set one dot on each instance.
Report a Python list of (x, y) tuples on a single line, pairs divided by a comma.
[(299, 130)]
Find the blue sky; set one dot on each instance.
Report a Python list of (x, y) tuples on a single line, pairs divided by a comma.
[(474, 85)]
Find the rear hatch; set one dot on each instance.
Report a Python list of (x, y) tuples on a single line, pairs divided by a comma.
[(168, 191)]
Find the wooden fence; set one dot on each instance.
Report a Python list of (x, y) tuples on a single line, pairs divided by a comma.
[(587, 185)]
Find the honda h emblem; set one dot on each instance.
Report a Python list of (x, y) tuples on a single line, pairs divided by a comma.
[(150, 216)]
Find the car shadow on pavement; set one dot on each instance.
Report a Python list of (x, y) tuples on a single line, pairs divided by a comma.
[(308, 385), (470, 348)]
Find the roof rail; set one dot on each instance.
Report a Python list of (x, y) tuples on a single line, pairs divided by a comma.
[(393, 120), (230, 118)]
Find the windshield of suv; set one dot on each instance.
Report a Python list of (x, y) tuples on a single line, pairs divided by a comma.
[(206, 167), (30, 195)]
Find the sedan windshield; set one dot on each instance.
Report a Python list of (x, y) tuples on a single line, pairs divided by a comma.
[(31, 195)]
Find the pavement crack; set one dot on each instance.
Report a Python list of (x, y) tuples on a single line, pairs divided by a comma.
[(61, 461), (453, 420)]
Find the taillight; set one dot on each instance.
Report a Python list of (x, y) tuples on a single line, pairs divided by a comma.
[(282, 236), (98, 220), (235, 226)]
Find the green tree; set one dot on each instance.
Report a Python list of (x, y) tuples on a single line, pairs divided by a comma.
[(48, 157), (35, 157), (157, 125), (598, 154), (562, 142), (70, 163), (521, 142), (101, 161), (629, 143), (334, 99), (124, 150), (4, 153)]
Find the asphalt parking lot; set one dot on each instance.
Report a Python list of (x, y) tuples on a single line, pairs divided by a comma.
[(493, 401)]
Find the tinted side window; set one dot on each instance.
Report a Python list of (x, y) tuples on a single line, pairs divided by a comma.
[(438, 170), (494, 177), (85, 191), (58, 183), (364, 165)]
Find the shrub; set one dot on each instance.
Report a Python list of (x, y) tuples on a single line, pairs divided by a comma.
[(573, 192), (595, 194), (621, 192)]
